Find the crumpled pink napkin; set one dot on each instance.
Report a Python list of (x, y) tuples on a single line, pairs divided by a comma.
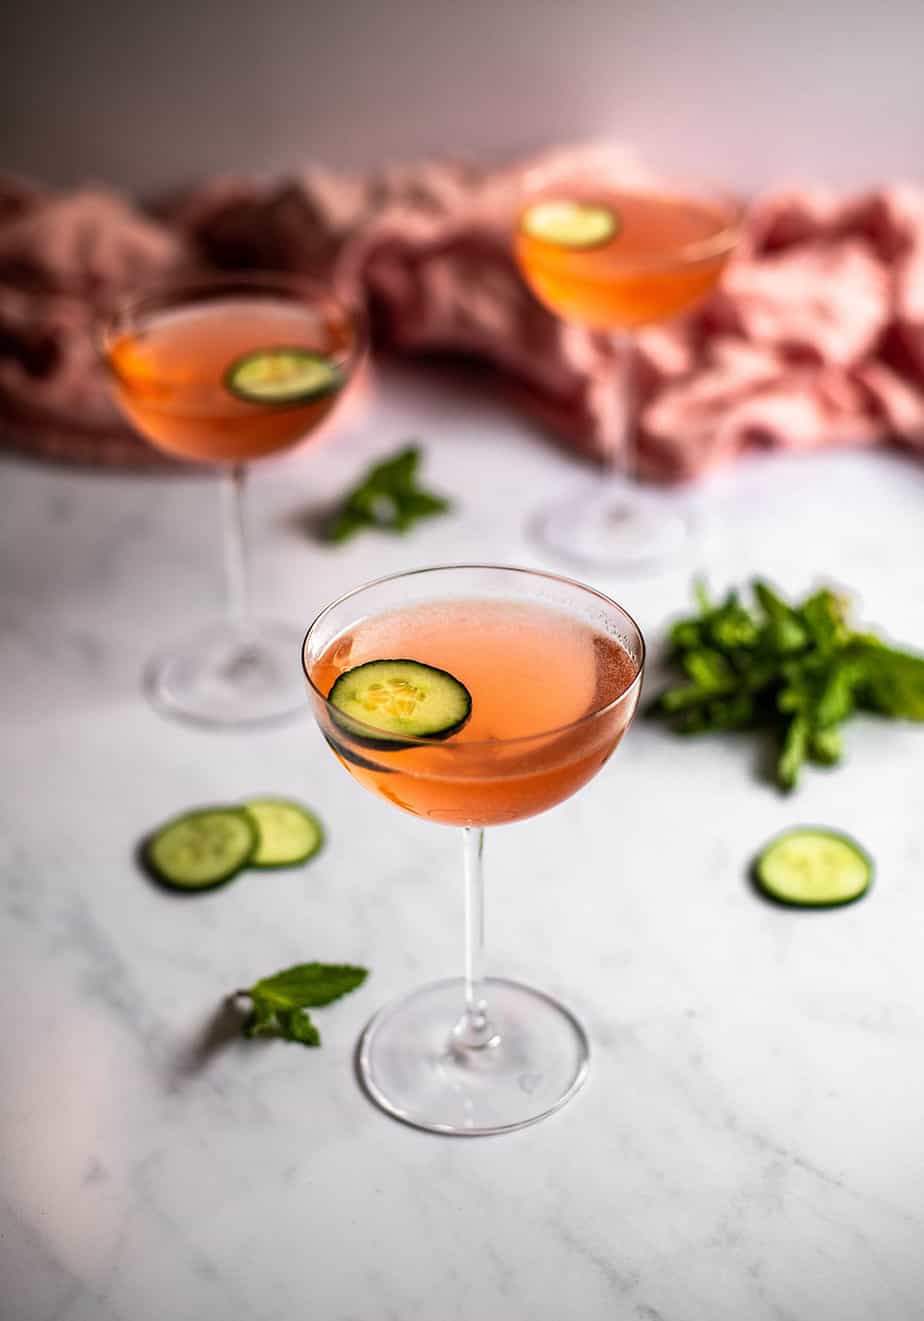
[(64, 259), (816, 336)]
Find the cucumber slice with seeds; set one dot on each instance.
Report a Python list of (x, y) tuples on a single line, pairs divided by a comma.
[(202, 849), (812, 867), (288, 834), (568, 223), (282, 376), (402, 698)]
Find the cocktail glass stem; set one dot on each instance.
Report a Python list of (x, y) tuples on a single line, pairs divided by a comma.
[(235, 541), (474, 1030), (615, 524), (621, 459), (238, 671)]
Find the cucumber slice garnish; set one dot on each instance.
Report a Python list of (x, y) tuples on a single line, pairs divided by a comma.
[(567, 223), (287, 833), (201, 849), (402, 698), (814, 868), (282, 376)]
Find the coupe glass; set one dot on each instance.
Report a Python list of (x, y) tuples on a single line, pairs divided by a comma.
[(667, 251), (475, 1054), (170, 349)]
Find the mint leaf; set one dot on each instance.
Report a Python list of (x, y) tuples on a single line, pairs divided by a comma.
[(793, 753), (308, 984), (397, 472), (799, 671), (701, 595), (387, 497), (891, 682), (708, 669), (836, 699), (296, 1025), (825, 617), (261, 1021), (279, 1003), (826, 746)]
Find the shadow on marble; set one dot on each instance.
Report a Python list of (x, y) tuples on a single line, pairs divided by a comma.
[(311, 522), (221, 1030)]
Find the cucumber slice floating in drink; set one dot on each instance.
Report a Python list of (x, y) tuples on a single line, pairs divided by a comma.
[(402, 698), (201, 849), (288, 834), (568, 223), (282, 376), (812, 867)]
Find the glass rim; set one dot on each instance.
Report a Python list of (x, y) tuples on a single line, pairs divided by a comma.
[(416, 741), (724, 240), (165, 288)]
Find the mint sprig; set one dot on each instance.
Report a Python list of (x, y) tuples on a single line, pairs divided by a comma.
[(387, 497), (279, 1003), (798, 670)]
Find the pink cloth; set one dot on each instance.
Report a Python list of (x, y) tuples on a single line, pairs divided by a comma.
[(816, 336), (63, 261)]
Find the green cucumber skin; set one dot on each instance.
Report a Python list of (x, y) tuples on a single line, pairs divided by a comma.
[(153, 873), (294, 401), (294, 862), (790, 904), (284, 866), (347, 754), (394, 743)]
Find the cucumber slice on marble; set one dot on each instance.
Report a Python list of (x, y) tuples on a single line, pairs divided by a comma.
[(287, 833), (812, 867), (202, 849)]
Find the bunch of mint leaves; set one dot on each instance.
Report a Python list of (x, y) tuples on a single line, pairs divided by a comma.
[(387, 497), (799, 671), (280, 1004)]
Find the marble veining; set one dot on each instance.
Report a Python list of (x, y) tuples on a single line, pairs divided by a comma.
[(749, 1143)]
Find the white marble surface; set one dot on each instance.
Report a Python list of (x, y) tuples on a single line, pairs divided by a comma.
[(751, 1143)]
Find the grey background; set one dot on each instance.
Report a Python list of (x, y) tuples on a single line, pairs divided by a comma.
[(147, 95)]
